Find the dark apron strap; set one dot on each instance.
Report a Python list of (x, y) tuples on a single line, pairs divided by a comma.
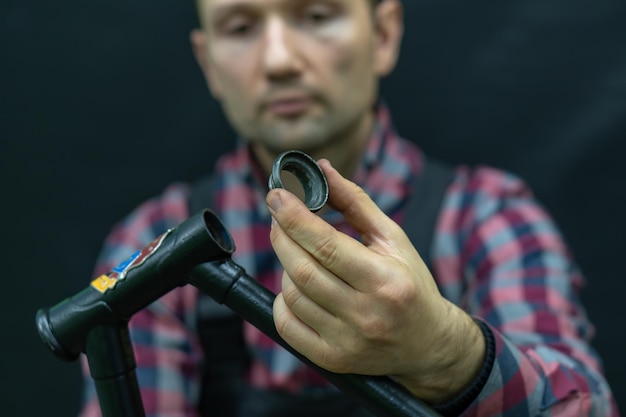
[(424, 205)]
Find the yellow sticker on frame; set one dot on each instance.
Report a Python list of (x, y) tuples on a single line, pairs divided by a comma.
[(103, 283)]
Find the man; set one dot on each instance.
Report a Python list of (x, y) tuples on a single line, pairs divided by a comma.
[(493, 328)]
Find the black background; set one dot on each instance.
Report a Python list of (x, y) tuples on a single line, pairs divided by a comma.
[(102, 105)]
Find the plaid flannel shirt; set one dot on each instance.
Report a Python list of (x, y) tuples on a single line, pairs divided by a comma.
[(496, 253)]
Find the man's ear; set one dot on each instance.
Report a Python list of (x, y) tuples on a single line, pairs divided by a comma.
[(199, 46), (389, 29)]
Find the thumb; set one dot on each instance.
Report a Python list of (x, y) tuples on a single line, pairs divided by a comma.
[(357, 207)]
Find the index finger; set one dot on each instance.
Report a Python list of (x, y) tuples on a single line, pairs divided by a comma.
[(337, 252)]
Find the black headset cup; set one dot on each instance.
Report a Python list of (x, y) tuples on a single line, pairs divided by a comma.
[(308, 173)]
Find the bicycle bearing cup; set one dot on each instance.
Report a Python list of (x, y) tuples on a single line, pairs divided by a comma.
[(308, 173)]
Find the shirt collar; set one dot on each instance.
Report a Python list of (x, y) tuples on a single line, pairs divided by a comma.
[(388, 161), (374, 153)]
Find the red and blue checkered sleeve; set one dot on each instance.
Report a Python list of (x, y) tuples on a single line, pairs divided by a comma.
[(499, 255), (166, 348)]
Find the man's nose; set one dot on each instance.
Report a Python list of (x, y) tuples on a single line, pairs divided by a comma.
[(281, 59)]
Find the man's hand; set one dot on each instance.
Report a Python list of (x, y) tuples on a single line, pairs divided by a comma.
[(368, 308)]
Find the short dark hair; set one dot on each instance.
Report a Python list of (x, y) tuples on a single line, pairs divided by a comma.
[(196, 4)]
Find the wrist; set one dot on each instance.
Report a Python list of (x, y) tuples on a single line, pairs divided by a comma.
[(460, 402), (454, 360)]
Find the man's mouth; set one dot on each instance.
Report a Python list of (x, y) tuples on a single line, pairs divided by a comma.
[(289, 106)]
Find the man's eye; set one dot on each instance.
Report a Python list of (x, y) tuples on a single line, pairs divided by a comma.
[(238, 30), (238, 27), (318, 15)]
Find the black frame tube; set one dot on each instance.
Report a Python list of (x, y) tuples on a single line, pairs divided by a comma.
[(229, 284), (112, 366), (148, 275), (95, 322)]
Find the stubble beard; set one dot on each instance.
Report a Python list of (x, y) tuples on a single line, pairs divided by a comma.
[(313, 135)]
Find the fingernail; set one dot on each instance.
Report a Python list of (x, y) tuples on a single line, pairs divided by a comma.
[(274, 203), (325, 161), (273, 222)]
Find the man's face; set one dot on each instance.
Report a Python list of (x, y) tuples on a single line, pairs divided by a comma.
[(291, 74)]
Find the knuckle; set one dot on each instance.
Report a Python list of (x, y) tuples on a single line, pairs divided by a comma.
[(334, 360), (381, 324), (360, 195), (304, 273), (282, 327), (326, 250), (274, 236), (376, 328), (358, 191), (291, 295), (403, 296), (282, 323), (398, 292), (291, 220)]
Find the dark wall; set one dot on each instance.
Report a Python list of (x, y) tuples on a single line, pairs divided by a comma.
[(101, 105)]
